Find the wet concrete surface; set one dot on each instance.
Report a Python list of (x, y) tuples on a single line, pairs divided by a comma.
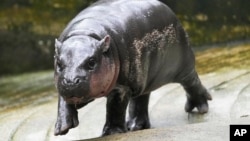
[(230, 105)]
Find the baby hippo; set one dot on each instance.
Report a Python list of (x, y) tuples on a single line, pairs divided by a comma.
[(123, 50)]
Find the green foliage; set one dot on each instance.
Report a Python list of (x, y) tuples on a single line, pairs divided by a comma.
[(28, 27), (213, 21), (28, 31), (25, 51)]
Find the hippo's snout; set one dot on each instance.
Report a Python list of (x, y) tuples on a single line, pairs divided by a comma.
[(71, 83), (76, 86)]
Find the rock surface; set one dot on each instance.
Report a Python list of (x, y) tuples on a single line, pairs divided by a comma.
[(230, 105)]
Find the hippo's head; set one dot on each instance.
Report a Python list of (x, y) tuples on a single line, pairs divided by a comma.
[(84, 68)]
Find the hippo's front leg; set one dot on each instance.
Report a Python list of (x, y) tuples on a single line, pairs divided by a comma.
[(138, 113), (67, 117), (116, 111)]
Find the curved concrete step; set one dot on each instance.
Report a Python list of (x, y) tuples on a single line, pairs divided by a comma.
[(231, 96), (208, 131)]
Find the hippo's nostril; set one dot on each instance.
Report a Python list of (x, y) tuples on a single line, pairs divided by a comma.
[(77, 80), (64, 82), (71, 82)]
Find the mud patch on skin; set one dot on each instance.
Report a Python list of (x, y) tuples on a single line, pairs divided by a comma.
[(156, 41)]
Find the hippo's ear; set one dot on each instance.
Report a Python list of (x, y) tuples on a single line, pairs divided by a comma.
[(105, 43), (58, 45)]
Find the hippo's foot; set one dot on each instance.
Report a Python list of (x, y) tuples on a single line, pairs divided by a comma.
[(65, 122), (200, 102), (113, 130), (197, 94), (138, 123), (138, 113)]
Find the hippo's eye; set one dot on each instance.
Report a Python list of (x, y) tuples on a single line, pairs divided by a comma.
[(91, 63)]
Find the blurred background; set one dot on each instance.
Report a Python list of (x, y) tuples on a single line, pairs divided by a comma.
[(28, 27), (219, 31)]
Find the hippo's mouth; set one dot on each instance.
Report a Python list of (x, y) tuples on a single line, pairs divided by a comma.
[(73, 100), (77, 100)]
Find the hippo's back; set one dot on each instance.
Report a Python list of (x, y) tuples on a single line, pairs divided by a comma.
[(131, 18)]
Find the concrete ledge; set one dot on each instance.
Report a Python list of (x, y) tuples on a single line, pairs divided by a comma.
[(212, 131), (230, 105)]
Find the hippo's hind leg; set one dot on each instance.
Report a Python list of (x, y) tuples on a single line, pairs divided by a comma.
[(117, 102), (197, 94), (138, 113)]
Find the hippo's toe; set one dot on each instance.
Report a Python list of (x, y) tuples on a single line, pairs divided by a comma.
[(199, 102), (138, 123), (113, 130), (63, 124)]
